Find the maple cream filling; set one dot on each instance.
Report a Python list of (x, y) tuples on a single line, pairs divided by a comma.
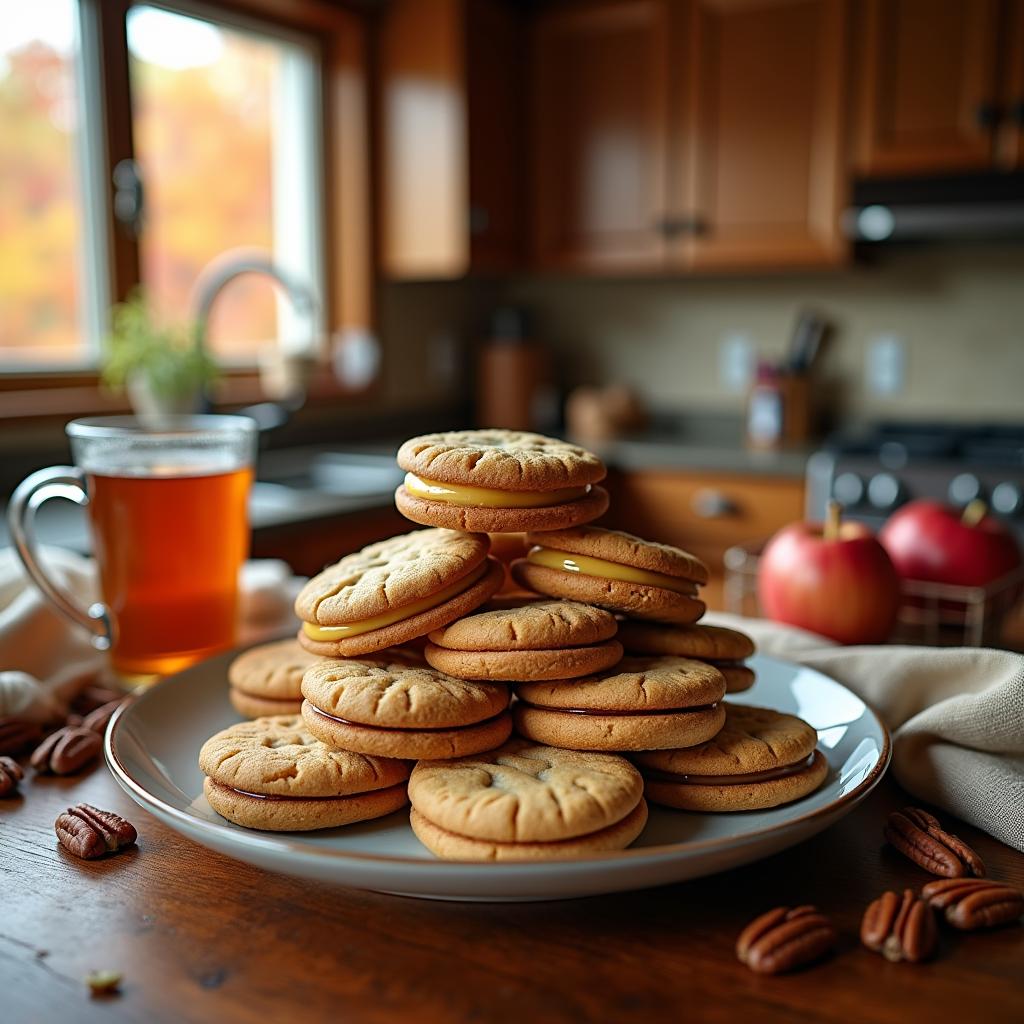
[(486, 497), (586, 565), (282, 796), (732, 780), (331, 633)]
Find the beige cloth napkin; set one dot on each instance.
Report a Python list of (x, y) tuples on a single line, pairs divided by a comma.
[(956, 717), (45, 659)]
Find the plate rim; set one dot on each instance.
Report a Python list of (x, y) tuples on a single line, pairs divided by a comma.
[(277, 843)]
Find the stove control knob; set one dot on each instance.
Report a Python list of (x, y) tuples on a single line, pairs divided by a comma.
[(964, 488), (848, 490), (884, 491), (1007, 499)]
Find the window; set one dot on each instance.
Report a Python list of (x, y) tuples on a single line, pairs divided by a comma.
[(224, 140), (49, 298), (225, 118)]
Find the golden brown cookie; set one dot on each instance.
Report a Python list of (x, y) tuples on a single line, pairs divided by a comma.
[(761, 758), (614, 570), (526, 802), (451, 846), (532, 640), (724, 648), (645, 703), (267, 679), (499, 481), (395, 705), (394, 591), (274, 774)]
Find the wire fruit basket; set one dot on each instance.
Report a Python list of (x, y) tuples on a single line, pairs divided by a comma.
[(937, 614)]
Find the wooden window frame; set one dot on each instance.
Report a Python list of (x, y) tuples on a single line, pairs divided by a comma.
[(342, 37)]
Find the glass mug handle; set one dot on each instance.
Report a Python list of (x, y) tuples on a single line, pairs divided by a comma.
[(55, 482)]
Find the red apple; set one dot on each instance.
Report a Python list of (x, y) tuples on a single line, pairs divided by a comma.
[(834, 579), (930, 541)]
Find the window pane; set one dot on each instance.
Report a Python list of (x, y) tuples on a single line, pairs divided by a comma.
[(41, 217), (215, 110)]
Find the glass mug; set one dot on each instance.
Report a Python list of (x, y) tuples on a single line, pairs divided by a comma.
[(168, 513)]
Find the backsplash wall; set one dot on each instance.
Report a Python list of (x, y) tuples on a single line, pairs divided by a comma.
[(959, 311)]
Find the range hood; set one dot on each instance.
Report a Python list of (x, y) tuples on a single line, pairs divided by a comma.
[(965, 208)]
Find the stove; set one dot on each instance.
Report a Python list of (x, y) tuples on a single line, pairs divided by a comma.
[(872, 473)]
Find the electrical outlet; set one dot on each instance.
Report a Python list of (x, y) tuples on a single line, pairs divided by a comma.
[(885, 367), (737, 362)]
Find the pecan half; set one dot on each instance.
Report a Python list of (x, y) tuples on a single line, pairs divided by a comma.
[(10, 775), (919, 836), (95, 696), (17, 735), (99, 718), (785, 938), (973, 903), (66, 751), (900, 928), (88, 832)]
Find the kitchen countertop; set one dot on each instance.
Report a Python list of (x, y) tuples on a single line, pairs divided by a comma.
[(199, 937)]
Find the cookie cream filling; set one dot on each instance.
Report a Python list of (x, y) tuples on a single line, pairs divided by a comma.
[(405, 728), (486, 497), (280, 796), (643, 712), (330, 633), (586, 565), (732, 780)]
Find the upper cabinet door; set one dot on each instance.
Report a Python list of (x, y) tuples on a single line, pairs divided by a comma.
[(928, 85), (599, 142), (760, 174)]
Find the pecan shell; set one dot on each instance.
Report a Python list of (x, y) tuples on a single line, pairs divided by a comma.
[(973, 903), (900, 928), (10, 775), (784, 939), (66, 751), (17, 735), (919, 837), (88, 832)]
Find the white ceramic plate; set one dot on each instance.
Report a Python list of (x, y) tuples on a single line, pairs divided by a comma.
[(153, 743)]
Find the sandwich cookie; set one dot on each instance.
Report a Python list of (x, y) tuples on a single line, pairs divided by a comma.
[(724, 648), (760, 759), (526, 802), (534, 640), (274, 774), (395, 705), (395, 590), (499, 481), (615, 570), (267, 680), (641, 704)]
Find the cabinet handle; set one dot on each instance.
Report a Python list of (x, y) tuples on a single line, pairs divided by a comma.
[(1016, 113), (711, 504), (479, 219), (987, 115)]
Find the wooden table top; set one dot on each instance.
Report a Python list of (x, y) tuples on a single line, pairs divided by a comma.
[(200, 937)]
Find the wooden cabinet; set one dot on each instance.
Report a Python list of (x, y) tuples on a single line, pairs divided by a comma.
[(1010, 134), (599, 106), (928, 90), (703, 512), (452, 122), (689, 134)]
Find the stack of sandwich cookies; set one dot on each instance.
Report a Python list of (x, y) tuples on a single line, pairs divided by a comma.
[(641, 704), (267, 680), (724, 648), (396, 590), (614, 570), (395, 705), (499, 481), (273, 774), (535, 640), (527, 802), (761, 758)]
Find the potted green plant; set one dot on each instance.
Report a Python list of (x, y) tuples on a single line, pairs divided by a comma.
[(162, 369)]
